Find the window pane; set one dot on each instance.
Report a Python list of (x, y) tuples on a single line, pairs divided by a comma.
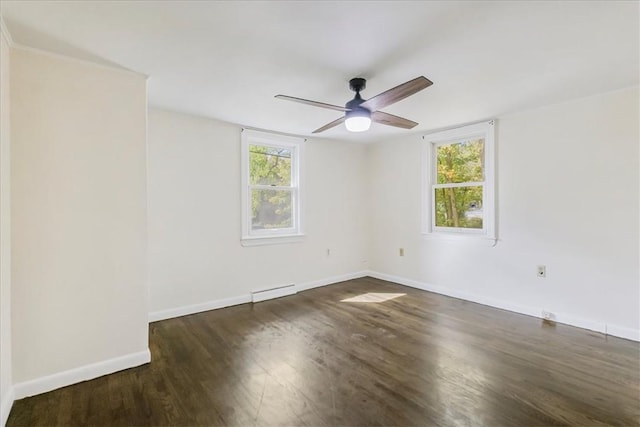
[(269, 165), (459, 207), (271, 209), (461, 162)]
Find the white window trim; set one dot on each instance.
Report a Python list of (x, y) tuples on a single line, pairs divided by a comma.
[(488, 234), (274, 236)]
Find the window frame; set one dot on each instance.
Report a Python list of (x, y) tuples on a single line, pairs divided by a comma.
[(293, 234), (485, 130)]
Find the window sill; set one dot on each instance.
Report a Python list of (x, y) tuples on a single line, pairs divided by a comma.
[(475, 239), (272, 240)]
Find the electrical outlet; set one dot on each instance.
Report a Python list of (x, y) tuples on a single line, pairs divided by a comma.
[(401, 251), (542, 271)]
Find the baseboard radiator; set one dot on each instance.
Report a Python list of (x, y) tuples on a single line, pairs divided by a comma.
[(265, 294)]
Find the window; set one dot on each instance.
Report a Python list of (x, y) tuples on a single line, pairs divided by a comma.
[(458, 182), (270, 188)]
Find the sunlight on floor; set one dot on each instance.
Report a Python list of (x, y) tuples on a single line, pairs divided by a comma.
[(373, 297)]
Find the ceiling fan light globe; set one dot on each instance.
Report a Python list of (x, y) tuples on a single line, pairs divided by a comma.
[(357, 124)]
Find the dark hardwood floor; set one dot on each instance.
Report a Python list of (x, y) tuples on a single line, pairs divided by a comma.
[(310, 359)]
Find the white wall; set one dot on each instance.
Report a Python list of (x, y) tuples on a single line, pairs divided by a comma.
[(194, 215), (78, 208), (567, 198), (6, 398)]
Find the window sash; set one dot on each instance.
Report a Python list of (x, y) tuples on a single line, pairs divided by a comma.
[(435, 186), (256, 138), (293, 175), (271, 187), (469, 230), (457, 140), (484, 130), (293, 188), (458, 184), (273, 231)]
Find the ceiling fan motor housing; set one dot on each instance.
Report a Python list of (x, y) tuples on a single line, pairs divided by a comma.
[(354, 104)]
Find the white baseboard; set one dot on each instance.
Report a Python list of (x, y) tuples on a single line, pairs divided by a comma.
[(83, 373), (330, 280), (5, 406), (622, 332), (457, 294), (244, 299), (567, 319), (579, 322), (198, 308)]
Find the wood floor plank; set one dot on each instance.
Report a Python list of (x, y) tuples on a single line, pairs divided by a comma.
[(313, 360)]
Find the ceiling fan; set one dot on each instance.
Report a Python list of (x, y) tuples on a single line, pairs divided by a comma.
[(359, 113)]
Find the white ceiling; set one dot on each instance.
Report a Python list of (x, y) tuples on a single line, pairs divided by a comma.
[(227, 60)]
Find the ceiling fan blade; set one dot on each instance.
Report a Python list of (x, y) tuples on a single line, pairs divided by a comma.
[(391, 120), (397, 93), (312, 103), (330, 125)]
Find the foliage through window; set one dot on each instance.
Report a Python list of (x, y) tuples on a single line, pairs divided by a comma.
[(270, 185), (459, 181)]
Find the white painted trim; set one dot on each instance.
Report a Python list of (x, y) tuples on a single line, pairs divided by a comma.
[(425, 176), (487, 130), (622, 332), (474, 239), (8, 397), (5, 406), (147, 204), (272, 240), (457, 294), (279, 292), (198, 308), (294, 234), (564, 318), (244, 299), (83, 373), (331, 280)]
